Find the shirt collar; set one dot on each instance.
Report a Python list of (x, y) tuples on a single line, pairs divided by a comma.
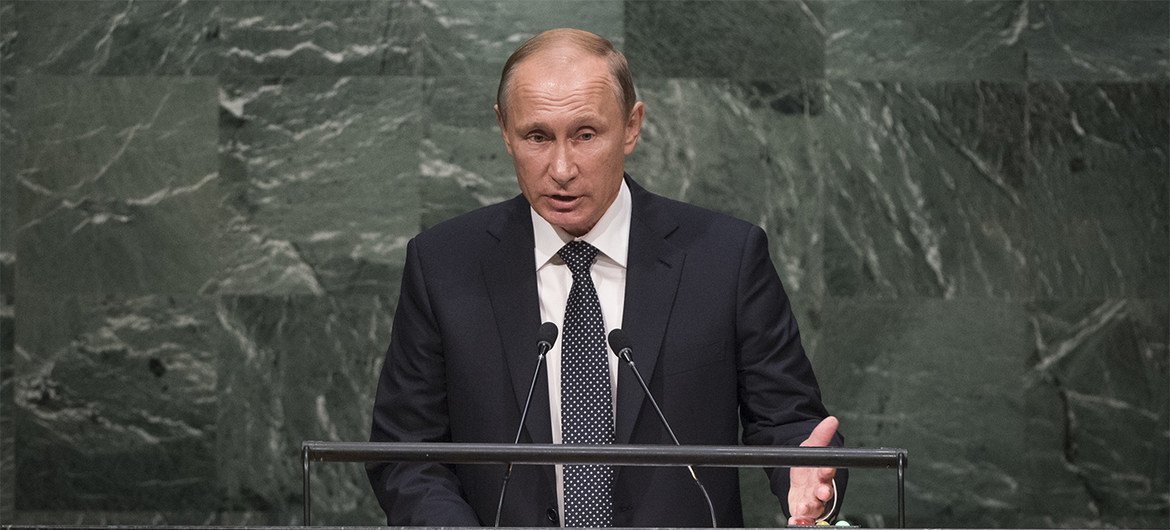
[(611, 234)]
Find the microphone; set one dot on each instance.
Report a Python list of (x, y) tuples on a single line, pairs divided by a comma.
[(545, 338), (621, 347)]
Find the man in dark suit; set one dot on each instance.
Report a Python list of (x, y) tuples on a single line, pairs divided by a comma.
[(695, 291)]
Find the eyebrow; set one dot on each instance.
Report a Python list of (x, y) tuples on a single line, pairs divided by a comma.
[(576, 123)]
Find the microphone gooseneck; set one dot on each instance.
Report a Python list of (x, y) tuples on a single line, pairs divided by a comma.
[(621, 347), (545, 338)]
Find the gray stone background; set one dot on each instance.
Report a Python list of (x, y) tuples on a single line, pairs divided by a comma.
[(204, 207)]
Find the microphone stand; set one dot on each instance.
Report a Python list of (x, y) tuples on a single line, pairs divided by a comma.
[(549, 333), (620, 344)]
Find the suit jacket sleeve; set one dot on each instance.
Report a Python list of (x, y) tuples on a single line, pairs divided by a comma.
[(411, 406), (780, 402)]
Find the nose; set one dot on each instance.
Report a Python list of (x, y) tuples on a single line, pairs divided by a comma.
[(563, 169)]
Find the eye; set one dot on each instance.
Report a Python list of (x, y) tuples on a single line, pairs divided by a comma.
[(586, 136), (536, 137)]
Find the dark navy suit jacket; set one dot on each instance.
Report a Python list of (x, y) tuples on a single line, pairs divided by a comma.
[(711, 330)]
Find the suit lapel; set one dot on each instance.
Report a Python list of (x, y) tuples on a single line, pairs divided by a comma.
[(510, 276), (652, 276)]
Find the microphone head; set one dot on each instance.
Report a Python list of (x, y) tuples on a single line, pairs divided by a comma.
[(619, 342), (547, 335)]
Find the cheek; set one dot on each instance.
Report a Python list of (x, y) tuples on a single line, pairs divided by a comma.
[(526, 162), (602, 156)]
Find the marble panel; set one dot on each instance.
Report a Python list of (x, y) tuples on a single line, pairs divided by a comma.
[(106, 37), (9, 149), (1100, 192), (116, 184), (477, 36), (942, 379), (464, 165), (925, 40), (321, 176), (115, 403), (1108, 40), (1097, 392), (748, 39), (318, 359), (289, 37), (7, 266), (395, 37), (7, 352), (7, 35), (925, 189)]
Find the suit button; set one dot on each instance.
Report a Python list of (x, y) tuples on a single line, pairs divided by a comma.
[(553, 517)]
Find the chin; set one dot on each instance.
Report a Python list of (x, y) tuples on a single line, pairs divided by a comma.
[(571, 225)]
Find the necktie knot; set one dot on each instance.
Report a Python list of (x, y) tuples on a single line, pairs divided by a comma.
[(578, 255)]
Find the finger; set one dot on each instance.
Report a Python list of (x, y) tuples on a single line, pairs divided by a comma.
[(825, 474), (824, 492), (822, 434), (800, 521), (810, 507)]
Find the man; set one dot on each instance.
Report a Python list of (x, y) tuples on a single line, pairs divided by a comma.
[(585, 247)]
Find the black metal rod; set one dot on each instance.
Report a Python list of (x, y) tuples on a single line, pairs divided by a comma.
[(305, 473), (902, 490), (627, 455)]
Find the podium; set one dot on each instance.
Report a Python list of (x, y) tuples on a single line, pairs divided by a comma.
[(624, 455)]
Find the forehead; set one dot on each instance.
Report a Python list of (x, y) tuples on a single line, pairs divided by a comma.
[(562, 77)]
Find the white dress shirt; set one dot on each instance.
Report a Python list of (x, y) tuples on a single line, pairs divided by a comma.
[(611, 236)]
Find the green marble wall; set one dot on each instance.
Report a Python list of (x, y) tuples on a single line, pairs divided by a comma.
[(204, 206)]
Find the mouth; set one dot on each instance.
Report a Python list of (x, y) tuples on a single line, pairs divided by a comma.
[(563, 201)]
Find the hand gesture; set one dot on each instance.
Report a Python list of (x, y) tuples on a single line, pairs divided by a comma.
[(811, 487)]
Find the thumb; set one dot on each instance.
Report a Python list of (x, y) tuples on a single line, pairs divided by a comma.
[(822, 434)]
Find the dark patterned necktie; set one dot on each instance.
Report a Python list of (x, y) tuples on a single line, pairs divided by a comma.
[(586, 407)]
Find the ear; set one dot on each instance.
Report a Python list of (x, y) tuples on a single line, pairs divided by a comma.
[(634, 126), (503, 129)]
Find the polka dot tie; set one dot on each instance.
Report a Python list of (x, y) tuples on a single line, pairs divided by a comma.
[(586, 408)]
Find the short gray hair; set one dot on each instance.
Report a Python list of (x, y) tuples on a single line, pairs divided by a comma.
[(585, 41)]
